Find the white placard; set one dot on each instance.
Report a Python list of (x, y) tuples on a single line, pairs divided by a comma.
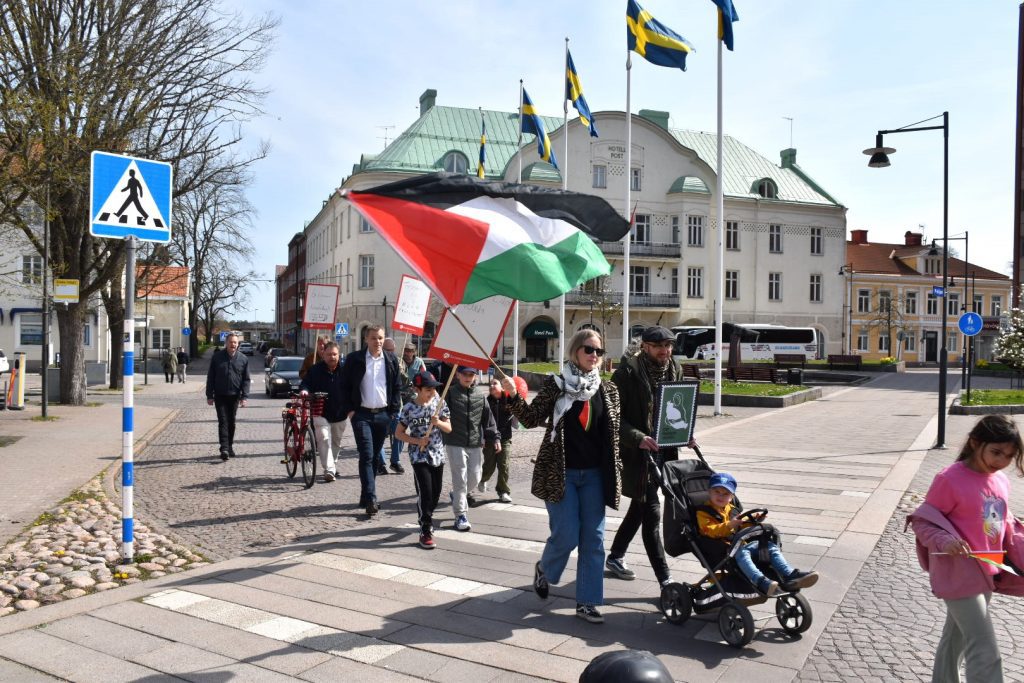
[(412, 305), (65, 290), (486, 319), (321, 304)]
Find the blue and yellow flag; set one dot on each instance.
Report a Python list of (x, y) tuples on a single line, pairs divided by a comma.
[(531, 123), (656, 43), (574, 93), (483, 148), (726, 15)]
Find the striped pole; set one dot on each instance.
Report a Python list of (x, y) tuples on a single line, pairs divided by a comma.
[(128, 409)]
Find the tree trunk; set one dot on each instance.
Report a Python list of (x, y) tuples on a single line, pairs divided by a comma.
[(114, 303), (71, 323)]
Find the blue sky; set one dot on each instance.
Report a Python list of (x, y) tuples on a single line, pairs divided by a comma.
[(841, 69)]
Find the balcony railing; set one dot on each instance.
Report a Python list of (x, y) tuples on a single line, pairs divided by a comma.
[(652, 249), (635, 300)]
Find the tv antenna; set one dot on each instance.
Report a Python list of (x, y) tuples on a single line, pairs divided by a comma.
[(385, 136), (790, 119)]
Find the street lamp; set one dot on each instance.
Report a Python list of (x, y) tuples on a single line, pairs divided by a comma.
[(963, 304), (847, 269), (879, 158)]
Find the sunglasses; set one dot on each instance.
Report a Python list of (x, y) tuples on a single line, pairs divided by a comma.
[(588, 349)]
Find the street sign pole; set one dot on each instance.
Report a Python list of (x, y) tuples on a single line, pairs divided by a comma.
[(128, 410)]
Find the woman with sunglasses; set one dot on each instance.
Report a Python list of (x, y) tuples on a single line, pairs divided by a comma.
[(578, 470)]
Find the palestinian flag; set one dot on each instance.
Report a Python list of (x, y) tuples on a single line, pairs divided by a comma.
[(470, 239)]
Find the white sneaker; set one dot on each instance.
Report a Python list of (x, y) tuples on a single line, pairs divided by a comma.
[(482, 487), (504, 498), (462, 523)]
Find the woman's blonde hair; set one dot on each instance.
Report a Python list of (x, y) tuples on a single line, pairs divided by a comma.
[(578, 340)]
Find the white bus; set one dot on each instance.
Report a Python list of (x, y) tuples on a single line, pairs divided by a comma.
[(757, 342)]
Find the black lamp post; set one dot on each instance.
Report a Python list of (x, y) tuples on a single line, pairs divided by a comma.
[(880, 159)]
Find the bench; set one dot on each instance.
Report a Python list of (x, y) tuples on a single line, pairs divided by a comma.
[(752, 373), (791, 360), (842, 360), (691, 371)]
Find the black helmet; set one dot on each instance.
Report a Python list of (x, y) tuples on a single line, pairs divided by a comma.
[(626, 666)]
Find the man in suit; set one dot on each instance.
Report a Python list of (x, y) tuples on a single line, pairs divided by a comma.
[(372, 386)]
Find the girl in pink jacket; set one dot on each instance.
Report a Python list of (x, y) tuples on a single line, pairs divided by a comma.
[(966, 511)]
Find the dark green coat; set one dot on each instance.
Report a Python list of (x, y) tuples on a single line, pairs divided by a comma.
[(637, 399)]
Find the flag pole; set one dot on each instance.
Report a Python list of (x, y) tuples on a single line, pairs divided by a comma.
[(478, 344), (719, 212), (565, 186), (444, 392), (515, 312), (629, 187)]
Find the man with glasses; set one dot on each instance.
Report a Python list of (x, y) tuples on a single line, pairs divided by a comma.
[(637, 379)]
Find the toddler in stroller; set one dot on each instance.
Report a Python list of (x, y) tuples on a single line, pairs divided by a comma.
[(735, 548)]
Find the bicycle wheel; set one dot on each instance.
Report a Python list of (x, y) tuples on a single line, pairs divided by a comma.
[(309, 458), (291, 448)]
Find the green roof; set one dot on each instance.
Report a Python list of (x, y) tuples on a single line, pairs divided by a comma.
[(421, 149)]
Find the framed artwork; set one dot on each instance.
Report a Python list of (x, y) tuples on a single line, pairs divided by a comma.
[(675, 407)]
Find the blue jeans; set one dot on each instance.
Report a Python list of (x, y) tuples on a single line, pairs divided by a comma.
[(578, 521), (396, 446), (745, 561), (370, 430)]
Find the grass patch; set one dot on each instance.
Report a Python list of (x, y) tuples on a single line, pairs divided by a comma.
[(750, 388), (993, 397), (8, 440), (78, 496), (48, 418), (45, 518), (93, 404)]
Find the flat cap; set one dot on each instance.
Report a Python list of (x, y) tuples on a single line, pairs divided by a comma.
[(657, 333)]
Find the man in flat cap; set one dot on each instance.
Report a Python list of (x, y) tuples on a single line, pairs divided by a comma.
[(637, 378)]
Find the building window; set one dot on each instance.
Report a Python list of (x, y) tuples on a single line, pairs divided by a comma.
[(766, 188), (910, 303), (640, 279), (862, 340), (951, 343), (775, 238), (979, 303), (774, 286), (884, 301), (953, 303), (366, 271), (932, 307), (695, 231), (695, 283), (997, 305), (732, 284), (455, 162), (30, 329), (732, 235), (815, 289), (909, 341), (675, 229), (364, 225), (600, 175), (932, 266), (31, 270), (863, 300), (87, 334), (160, 338), (641, 229), (883, 342), (634, 180), (674, 281), (817, 244)]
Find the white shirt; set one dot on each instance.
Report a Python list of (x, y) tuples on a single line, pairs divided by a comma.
[(373, 388)]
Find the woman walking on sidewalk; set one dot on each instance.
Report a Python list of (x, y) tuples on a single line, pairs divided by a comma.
[(578, 471)]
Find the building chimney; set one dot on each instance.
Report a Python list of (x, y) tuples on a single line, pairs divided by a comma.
[(912, 239), (859, 236), (789, 158), (427, 100)]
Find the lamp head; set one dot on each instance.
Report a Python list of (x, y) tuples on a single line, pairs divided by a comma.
[(934, 251), (879, 154)]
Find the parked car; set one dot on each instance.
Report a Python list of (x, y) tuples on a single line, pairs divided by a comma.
[(284, 376), (5, 366), (246, 348), (273, 353)]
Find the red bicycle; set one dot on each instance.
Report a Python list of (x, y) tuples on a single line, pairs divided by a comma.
[(299, 437)]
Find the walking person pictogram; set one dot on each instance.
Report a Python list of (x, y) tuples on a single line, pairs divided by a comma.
[(134, 190)]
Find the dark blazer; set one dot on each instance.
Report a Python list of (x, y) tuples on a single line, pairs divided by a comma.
[(352, 376), (228, 376), (320, 378)]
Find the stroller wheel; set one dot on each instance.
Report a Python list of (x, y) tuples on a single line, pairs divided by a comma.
[(794, 613), (675, 602), (736, 624)]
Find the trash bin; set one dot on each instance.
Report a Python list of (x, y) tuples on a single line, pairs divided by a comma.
[(794, 376)]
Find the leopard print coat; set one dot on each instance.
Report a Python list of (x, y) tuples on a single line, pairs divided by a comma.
[(549, 472)]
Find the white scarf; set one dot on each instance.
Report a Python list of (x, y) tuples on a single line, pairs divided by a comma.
[(575, 386)]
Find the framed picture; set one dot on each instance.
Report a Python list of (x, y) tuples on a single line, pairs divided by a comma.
[(675, 406)]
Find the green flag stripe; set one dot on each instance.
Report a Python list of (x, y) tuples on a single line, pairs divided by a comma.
[(533, 272)]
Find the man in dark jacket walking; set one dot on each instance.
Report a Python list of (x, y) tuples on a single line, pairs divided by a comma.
[(227, 388), (373, 392), (637, 379), (325, 377)]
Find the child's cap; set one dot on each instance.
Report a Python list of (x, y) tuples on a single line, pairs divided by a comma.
[(723, 479), (424, 379), (466, 368)]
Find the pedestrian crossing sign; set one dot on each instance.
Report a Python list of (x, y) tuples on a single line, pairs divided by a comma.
[(130, 197)]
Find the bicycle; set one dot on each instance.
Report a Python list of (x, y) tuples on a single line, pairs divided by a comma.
[(299, 437)]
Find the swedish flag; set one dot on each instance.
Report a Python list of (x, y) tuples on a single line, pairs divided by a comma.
[(574, 93), (531, 123), (656, 43), (483, 148), (726, 15)]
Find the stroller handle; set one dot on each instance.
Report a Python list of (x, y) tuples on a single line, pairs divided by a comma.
[(654, 471)]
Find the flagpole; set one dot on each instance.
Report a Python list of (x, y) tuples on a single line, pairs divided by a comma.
[(565, 186), (515, 312), (478, 344), (720, 211), (629, 187)]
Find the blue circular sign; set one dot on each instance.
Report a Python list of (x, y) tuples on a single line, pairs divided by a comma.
[(186, 331), (970, 324)]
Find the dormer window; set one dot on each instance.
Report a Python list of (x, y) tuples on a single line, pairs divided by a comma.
[(455, 162), (766, 188)]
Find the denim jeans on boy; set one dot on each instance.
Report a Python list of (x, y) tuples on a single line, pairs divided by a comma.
[(745, 561), (578, 520)]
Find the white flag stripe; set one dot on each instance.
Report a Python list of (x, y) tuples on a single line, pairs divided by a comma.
[(512, 224)]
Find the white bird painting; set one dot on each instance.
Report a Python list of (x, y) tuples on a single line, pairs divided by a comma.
[(674, 413)]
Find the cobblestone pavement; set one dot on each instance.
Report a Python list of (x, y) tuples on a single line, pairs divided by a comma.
[(888, 626)]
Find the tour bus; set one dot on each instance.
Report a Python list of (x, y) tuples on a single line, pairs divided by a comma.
[(757, 341)]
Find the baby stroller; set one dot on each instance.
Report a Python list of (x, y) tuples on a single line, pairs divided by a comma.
[(723, 587)]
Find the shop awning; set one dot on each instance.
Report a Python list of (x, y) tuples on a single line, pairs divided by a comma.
[(540, 329)]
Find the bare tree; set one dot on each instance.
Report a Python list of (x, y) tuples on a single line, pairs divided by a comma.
[(890, 317), (224, 291), (165, 80)]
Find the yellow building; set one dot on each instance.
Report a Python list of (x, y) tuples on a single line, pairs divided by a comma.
[(894, 296)]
